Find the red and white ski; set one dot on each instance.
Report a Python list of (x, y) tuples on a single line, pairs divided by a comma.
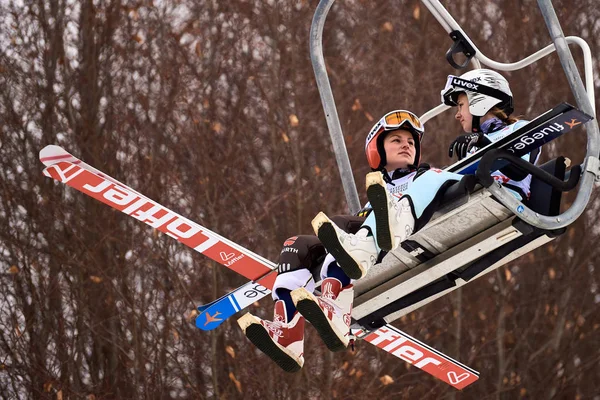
[(411, 350), (73, 172)]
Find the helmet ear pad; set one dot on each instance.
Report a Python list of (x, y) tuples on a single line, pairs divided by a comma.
[(480, 104), (373, 153), (381, 149)]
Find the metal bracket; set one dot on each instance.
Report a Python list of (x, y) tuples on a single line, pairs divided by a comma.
[(593, 165), (460, 45)]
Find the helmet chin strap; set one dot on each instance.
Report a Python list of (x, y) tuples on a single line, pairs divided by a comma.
[(386, 176), (475, 126)]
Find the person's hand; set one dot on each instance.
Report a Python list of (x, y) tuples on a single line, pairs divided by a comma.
[(464, 143)]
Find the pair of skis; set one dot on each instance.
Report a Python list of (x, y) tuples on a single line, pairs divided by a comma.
[(67, 169)]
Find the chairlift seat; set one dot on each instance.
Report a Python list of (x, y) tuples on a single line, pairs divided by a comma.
[(470, 235)]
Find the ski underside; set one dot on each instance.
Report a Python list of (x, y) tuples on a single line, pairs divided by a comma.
[(66, 168)]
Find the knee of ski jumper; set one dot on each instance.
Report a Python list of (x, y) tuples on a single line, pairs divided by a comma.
[(299, 263), (301, 252)]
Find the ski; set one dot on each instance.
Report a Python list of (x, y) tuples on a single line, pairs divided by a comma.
[(65, 168), (387, 338), (213, 314), (537, 132), (422, 356)]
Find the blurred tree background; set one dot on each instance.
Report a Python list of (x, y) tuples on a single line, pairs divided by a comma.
[(211, 108)]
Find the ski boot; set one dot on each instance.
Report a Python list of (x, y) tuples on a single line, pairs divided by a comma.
[(281, 340), (394, 218), (329, 313), (354, 253)]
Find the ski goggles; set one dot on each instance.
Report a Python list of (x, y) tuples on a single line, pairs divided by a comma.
[(456, 85), (395, 120)]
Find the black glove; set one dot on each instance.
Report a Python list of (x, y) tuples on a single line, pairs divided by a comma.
[(462, 144)]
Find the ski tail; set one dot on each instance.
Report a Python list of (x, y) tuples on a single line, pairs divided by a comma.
[(65, 168), (422, 356)]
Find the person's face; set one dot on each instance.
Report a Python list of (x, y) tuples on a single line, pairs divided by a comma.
[(463, 115), (400, 149)]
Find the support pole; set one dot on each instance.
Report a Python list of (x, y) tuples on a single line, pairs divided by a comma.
[(333, 122)]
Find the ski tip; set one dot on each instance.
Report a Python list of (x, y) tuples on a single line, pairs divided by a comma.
[(52, 154), (203, 307), (207, 321)]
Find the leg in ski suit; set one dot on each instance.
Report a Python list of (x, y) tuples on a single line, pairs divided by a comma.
[(391, 219), (301, 258)]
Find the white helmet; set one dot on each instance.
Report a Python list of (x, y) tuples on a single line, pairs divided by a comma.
[(484, 88)]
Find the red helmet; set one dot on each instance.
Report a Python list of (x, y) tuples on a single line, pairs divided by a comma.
[(394, 120)]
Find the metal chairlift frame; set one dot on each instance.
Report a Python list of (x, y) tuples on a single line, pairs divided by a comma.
[(373, 294)]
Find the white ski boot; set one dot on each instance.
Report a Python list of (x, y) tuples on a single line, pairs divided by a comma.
[(329, 313), (394, 218), (355, 254), (281, 340)]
